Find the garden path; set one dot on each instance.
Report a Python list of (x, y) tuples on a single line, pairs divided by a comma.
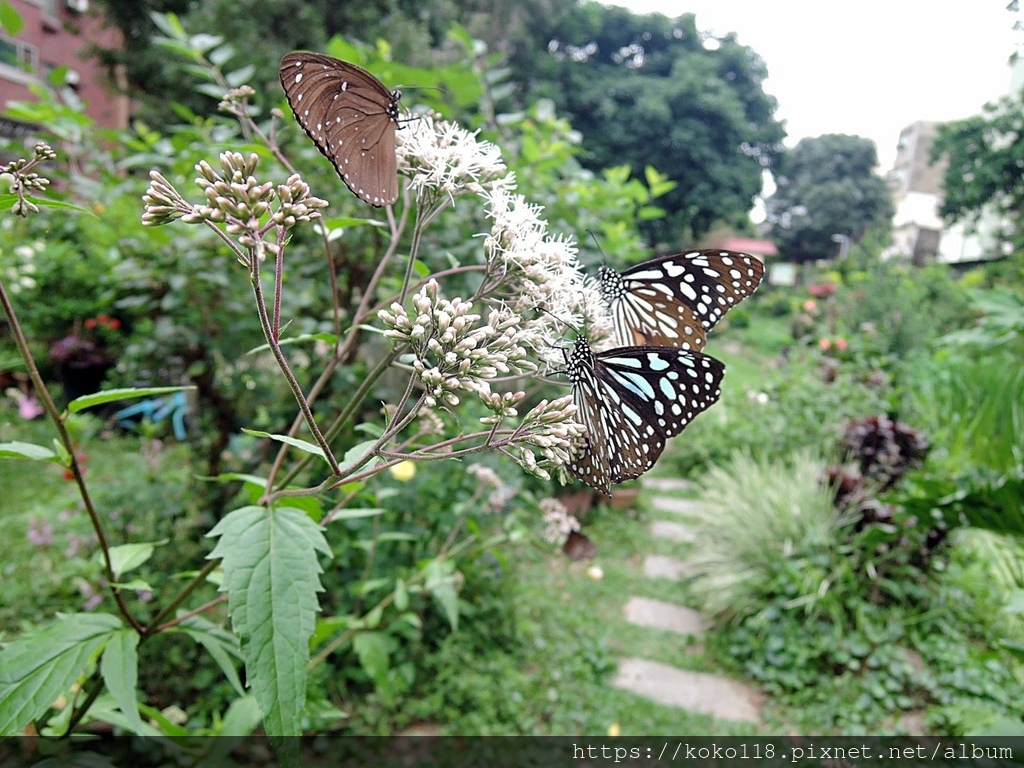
[(694, 691)]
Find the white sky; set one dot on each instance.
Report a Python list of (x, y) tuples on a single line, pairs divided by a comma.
[(867, 67)]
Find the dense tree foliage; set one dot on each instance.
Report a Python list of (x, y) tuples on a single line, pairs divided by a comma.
[(985, 166), (652, 91), (827, 186), (645, 91)]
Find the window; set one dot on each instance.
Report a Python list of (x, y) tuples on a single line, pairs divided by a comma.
[(49, 7), (18, 61)]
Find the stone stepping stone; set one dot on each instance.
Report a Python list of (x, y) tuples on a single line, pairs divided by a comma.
[(675, 506), (667, 484), (692, 691), (671, 530), (644, 612), (661, 567)]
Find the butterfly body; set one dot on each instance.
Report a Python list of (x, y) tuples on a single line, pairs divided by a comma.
[(676, 300), (351, 117), (631, 400)]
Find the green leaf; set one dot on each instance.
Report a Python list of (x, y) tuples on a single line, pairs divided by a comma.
[(271, 575), (126, 557), (328, 338), (440, 583), (242, 717), (37, 668), (401, 595), (294, 442), (10, 19), (351, 514), (340, 222), (219, 643), (19, 450), (113, 395), (308, 504), (374, 652), (120, 669), (105, 709)]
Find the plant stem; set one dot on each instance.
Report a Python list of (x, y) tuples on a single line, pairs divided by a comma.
[(69, 446)]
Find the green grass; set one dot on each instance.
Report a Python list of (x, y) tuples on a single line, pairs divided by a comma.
[(130, 491), (748, 353), (567, 612)]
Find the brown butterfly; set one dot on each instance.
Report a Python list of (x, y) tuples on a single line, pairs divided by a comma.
[(351, 117)]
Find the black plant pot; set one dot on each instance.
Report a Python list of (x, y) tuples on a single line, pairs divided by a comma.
[(78, 379)]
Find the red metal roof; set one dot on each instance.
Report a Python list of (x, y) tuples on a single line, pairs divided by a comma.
[(748, 245)]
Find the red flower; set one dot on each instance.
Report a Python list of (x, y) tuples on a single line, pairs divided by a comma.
[(90, 323)]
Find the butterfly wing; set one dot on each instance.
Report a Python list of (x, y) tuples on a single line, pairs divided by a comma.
[(352, 119), (631, 400), (676, 300)]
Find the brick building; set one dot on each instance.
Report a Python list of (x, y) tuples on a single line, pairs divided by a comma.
[(58, 33)]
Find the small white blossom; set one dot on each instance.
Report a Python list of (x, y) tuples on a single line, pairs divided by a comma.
[(558, 523), (443, 156), (547, 436), (452, 352)]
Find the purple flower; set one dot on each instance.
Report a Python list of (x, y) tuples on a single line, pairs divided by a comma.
[(40, 532)]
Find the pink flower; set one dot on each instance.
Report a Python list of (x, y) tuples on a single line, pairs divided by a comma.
[(841, 345), (824, 344), (29, 407), (810, 306)]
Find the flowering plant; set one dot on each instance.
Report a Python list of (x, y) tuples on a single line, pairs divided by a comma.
[(456, 345)]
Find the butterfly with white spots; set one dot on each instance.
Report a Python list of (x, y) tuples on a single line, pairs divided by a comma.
[(351, 117), (676, 300), (631, 400)]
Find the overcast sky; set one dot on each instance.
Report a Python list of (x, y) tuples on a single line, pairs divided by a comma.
[(869, 67)]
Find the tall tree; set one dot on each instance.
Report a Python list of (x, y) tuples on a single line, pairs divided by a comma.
[(985, 167), (649, 90), (827, 186)]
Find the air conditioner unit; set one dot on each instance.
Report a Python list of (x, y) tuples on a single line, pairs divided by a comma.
[(78, 6)]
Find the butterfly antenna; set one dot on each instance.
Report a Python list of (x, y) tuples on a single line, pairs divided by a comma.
[(604, 256)]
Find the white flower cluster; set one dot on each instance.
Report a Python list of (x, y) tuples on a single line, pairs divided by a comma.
[(549, 431), (18, 267), (452, 353), (538, 271), (234, 197), (558, 523), (440, 155)]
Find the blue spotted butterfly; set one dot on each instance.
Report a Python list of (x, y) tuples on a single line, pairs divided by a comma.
[(676, 300), (631, 400)]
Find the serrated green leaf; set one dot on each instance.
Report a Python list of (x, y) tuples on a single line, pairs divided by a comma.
[(219, 643), (19, 450), (272, 576), (37, 668), (126, 557), (294, 442), (119, 667), (113, 395)]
